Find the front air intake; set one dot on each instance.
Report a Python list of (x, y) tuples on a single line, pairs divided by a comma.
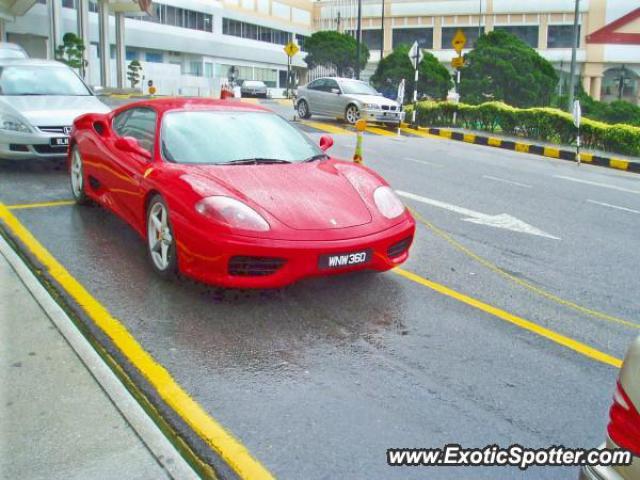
[(254, 266)]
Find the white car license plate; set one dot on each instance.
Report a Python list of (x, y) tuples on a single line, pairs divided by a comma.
[(60, 141), (342, 260)]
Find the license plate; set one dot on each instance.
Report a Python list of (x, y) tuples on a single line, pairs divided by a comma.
[(60, 141), (342, 260)]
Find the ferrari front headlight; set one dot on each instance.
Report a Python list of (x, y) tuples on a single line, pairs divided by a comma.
[(232, 213), (387, 202), (13, 124)]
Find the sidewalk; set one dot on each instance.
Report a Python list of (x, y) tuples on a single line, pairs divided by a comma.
[(56, 422)]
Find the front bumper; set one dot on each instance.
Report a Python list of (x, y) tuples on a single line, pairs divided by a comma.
[(382, 116), (207, 259), (20, 146)]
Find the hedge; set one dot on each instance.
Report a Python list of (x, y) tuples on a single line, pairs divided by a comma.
[(545, 124)]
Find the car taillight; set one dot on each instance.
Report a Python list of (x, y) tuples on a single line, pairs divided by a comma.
[(624, 422)]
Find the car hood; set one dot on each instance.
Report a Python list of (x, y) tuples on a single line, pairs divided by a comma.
[(377, 99), (53, 110), (304, 196)]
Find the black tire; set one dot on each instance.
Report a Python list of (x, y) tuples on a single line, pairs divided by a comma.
[(303, 109), (77, 178), (170, 268), (349, 117)]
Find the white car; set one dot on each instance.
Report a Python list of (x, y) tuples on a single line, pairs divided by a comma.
[(347, 99), (11, 50), (39, 99)]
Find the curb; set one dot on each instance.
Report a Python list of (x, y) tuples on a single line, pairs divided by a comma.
[(545, 151)]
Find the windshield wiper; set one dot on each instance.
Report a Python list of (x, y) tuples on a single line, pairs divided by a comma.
[(320, 156), (255, 161)]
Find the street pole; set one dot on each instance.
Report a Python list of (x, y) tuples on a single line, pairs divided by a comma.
[(382, 32), (359, 39), (621, 83), (416, 60), (574, 47), (479, 17), (288, 75)]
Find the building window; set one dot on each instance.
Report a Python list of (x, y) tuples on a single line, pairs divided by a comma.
[(178, 17), (527, 33), (406, 36), (131, 54), (561, 36), (196, 69), (372, 39), (300, 39), (470, 32), (154, 57), (254, 32)]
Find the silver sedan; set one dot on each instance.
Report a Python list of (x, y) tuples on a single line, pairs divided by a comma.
[(39, 100), (346, 99)]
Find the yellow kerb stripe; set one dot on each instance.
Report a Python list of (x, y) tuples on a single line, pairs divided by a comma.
[(494, 142), (555, 337), (222, 442), (469, 137), (522, 147), (619, 164), (551, 152)]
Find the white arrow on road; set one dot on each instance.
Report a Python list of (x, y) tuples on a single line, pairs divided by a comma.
[(502, 220)]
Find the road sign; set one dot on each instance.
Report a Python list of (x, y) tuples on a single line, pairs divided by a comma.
[(459, 41), (414, 52), (457, 62), (291, 49), (577, 113)]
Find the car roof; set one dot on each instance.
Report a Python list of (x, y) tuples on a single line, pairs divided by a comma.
[(30, 62), (339, 79), (164, 104), (11, 46)]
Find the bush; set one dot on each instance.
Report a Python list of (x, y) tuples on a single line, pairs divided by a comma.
[(545, 124)]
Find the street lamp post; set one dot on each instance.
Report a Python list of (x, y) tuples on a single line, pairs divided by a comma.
[(574, 47), (382, 33), (358, 39)]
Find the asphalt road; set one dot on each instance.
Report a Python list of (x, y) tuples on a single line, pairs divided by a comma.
[(320, 378)]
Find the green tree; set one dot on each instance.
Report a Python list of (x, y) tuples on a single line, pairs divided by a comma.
[(335, 50), (133, 72), (503, 67), (433, 80), (71, 52)]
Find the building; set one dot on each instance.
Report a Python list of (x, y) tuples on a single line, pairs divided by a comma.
[(186, 47), (608, 55)]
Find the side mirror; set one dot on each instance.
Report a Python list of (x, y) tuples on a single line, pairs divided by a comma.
[(131, 145), (326, 142), (336, 91)]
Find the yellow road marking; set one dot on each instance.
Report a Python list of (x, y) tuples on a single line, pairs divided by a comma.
[(555, 337), (56, 203), (255, 101), (619, 164), (285, 102), (326, 127), (419, 133), (539, 291), (229, 448), (381, 131)]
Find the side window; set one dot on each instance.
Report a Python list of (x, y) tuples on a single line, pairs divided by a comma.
[(139, 123), (317, 85), (331, 84)]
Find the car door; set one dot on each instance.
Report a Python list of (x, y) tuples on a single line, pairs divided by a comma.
[(127, 169), (333, 98), (313, 99)]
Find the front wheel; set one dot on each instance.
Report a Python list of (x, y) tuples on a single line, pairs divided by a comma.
[(76, 175), (161, 244), (303, 109), (352, 114)]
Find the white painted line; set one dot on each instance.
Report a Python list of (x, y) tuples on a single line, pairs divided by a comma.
[(161, 448), (504, 180), (424, 162), (598, 184), (502, 220), (624, 209)]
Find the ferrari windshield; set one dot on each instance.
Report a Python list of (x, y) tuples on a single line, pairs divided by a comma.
[(40, 80), (213, 137)]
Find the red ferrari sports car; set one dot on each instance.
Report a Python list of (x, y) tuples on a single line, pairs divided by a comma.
[(232, 194)]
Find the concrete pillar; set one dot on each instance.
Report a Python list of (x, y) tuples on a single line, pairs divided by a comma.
[(104, 45), (83, 33), (55, 34), (437, 33), (596, 86), (586, 84), (3, 31), (542, 31), (120, 50)]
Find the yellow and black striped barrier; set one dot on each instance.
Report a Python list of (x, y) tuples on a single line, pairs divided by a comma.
[(524, 147)]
